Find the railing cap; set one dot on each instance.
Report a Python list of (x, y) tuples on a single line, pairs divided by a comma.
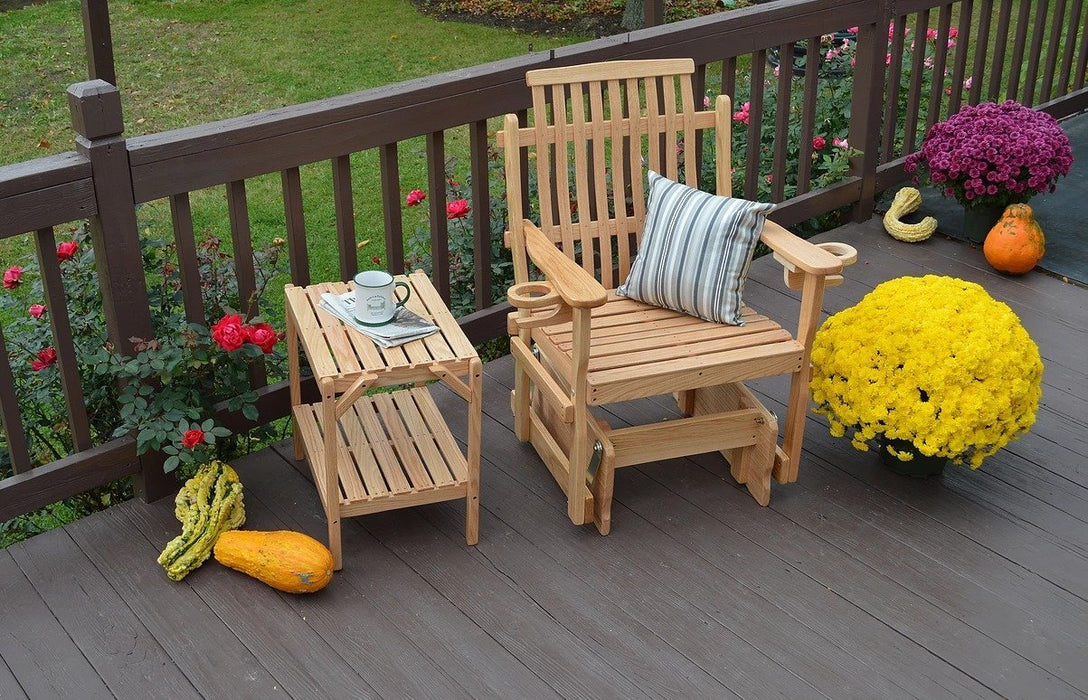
[(96, 109)]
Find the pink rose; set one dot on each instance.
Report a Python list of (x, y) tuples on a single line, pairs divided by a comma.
[(457, 209), (263, 336), (13, 276), (192, 438), (67, 250), (415, 197), (46, 358), (818, 143), (229, 333), (36, 310)]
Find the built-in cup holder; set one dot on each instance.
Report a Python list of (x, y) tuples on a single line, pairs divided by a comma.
[(532, 295), (795, 279), (847, 253)]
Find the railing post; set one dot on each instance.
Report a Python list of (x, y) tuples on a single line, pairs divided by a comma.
[(95, 107), (866, 109), (98, 40), (653, 13)]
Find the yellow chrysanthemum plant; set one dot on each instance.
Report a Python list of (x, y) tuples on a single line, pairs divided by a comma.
[(933, 360)]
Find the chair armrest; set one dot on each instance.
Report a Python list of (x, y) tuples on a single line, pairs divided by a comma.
[(803, 255), (575, 286)]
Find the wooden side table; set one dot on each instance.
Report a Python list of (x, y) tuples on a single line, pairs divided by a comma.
[(386, 450)]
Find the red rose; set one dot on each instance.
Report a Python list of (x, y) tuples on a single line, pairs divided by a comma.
[(457, 209), (36, 310), (46, 358), (229, 333), (192, 438), (415, 197), (66, 251), (263, 336), (13, 276), (818, 143)]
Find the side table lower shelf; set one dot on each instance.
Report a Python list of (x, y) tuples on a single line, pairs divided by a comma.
[(394, 451)]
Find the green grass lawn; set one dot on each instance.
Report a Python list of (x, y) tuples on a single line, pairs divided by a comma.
[(193, 61)]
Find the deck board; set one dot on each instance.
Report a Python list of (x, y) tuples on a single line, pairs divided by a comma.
[(34, 644), (854, 582), (75, 589)]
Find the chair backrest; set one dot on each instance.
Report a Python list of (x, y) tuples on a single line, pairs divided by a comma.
[(595, 130)]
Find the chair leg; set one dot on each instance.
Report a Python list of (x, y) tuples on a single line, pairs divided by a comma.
[(756, 462), (334, 540), (519, 403), (751, 465), (786, 472), (604, 480)]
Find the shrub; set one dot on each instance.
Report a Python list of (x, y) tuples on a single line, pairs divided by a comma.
[(166, 390)]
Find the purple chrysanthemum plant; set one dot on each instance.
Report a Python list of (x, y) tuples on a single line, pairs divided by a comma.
[(993, 154)]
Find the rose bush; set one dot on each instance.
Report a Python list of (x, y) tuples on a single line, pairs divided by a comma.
[(174, 384)]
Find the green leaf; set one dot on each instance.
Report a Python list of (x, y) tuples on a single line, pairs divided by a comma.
[(250, 411)]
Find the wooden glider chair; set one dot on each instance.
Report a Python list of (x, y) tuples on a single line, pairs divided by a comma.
[(578, 342)]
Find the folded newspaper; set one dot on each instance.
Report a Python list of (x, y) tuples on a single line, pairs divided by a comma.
[(405, 326)]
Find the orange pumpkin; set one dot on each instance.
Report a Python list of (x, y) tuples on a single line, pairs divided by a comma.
[(1016, 243)]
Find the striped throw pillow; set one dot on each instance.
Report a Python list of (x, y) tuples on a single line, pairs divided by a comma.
[(696, 250)]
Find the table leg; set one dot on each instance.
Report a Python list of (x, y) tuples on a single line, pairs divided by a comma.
[(294, 379), (331, 487)]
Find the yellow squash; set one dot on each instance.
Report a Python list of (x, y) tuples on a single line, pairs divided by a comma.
[(286, 560), (905, 201)]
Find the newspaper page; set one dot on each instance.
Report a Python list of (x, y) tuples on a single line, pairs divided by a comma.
[(404, 327)]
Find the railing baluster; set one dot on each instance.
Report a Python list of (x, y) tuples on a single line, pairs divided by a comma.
[(1046, 92), (998, 65), (895, 78), (344, 207), (481, 212), (1072, 27), (1019, 43), (729, 78), (959, 69), (389, 164), (1035, 54), (914, 95), (755, 123), (63, 343), (244, 267), (782, 122), (940, 60), (440, 247), (188, 266), (1082, 58), (242, 242), (979, 70), (296, 227), (10, 414), (813, 59)]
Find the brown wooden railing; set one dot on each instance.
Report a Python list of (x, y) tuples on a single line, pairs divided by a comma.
[(1038, 57)]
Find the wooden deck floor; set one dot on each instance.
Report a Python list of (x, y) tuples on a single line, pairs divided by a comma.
[(854, 582)]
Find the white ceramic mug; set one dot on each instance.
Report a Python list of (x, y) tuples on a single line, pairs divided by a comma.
[(376, 300)]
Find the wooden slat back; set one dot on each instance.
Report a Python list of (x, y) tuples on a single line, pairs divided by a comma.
[(593, 136)]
